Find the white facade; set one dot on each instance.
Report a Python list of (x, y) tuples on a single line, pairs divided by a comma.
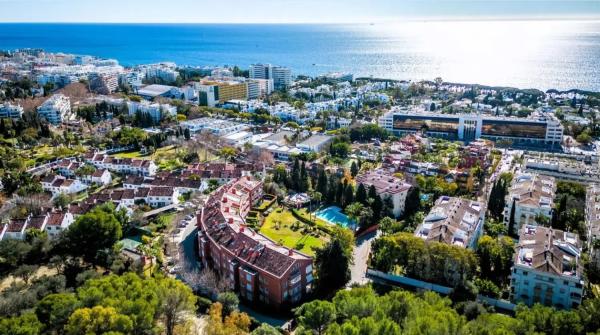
[(56, 109), (532, 195), (547, 268), (155, 110), (10, 111), (216, 126), (281, 76)]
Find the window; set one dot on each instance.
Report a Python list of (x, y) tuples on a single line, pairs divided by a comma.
[(248, 287)]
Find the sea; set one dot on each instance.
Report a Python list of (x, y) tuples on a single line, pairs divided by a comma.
[(542, 54)]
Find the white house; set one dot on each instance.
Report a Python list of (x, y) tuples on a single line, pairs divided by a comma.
[(58, 222), (386, 185)]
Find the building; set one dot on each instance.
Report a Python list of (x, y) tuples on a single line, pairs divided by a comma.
[(262, 271), (453, 221), (228, 90), (386, 185), (592, 212), (533, 196), (59, 185), (161, 72), (58, 222), (281, 76), (104, 83), (547, 268), (215, 126), (140, 167), (150, 92), (541, 131), (476, 153), (315, 143), (156, 111), (56, 109), (253, 88), (335, 122), (10, 111), (162, 196)]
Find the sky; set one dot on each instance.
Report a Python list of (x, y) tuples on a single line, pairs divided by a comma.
[(288, 11)]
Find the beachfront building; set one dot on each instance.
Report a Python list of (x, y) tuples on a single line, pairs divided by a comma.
[(547, 268), (261, 270), (56, 109), (453, 221), (386, 185), (532, 196), (541, 131)]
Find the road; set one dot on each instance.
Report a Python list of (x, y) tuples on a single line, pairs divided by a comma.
[(361, 256)]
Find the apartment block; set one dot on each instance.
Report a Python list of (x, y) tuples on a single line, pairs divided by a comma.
[(532, 195)]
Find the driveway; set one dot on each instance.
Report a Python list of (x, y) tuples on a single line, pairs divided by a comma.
[(361, 255)]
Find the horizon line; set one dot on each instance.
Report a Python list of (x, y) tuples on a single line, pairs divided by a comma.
[(374, 21)]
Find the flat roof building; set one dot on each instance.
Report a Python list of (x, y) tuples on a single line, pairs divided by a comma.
[(543, 130), (315, 143)]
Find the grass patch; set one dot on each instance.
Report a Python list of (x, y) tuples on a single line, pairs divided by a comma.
[(281, 226)]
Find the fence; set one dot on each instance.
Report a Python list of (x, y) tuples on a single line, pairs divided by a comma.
[(419, 284)]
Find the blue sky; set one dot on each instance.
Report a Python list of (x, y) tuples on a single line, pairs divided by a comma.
[(282, 11)]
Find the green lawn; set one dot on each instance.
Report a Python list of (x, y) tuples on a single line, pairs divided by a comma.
[(281, 226)]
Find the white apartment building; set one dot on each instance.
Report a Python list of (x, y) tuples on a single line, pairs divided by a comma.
[(10, 111), (155, 110), (56, 109), (104, 83), (162, 71), (532, 195), (281, 76), (547, 268), (216, 126), (453, 221), (386, 185), (592, 212)]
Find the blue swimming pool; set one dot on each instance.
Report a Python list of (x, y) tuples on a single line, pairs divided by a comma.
[(334, 215)]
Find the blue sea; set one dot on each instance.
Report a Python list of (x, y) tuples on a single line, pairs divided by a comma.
[(525, 54)]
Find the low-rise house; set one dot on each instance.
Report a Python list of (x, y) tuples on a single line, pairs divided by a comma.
[(99, 177), (15, 229), (142, 167), (162, 196), (58, 222), (547, 268), (453, 221), (387, 185)]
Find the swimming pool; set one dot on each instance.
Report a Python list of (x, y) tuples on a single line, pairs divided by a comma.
[(334, 215)]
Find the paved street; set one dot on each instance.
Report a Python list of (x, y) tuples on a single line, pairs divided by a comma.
[(361, 255)]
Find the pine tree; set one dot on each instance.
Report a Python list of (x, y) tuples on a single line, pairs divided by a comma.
[(322, 182), (361, 194), (353, 169), (511, 221), (348, 195), (304, 183), (339, 194)]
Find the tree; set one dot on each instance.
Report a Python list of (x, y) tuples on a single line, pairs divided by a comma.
[(235, 324), (386, 225), (511, 220), (26, 324), (230, 302), (98, 320), (332, 264), (25, 272), (361, 194), (94, 231), (54, 310), (316, 315), (354, 169), (62, 201), (265, 329), (413, 201), (177, 300)]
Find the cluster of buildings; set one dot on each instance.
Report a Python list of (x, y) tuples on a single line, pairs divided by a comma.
[(259, 269), (53, 222), (56, 109), (141, 167)]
